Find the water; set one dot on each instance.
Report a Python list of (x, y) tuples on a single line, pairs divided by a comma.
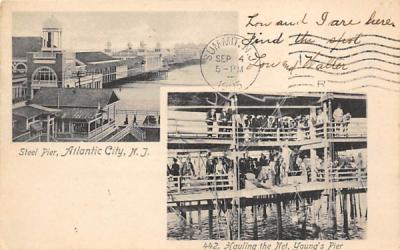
[(179, 229), (145, 95)]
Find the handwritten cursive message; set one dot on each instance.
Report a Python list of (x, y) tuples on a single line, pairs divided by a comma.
[(344, 57)]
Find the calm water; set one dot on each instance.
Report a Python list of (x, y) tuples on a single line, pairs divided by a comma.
[(145, 95), (179, 229)]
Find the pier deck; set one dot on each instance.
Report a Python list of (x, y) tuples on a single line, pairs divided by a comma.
[(259, 192)]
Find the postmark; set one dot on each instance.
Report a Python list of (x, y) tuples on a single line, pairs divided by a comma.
[(225, 63)]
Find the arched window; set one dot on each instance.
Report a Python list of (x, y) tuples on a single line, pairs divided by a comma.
[(21, 68), (44, 75)]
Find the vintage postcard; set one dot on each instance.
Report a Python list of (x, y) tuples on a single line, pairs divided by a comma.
[(214, 125)]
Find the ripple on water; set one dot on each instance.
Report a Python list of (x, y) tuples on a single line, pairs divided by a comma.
[(178, 229)]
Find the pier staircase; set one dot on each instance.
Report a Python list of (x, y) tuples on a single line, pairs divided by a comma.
[(138, 133), (120, 133)]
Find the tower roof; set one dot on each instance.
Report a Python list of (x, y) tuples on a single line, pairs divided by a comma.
[(52, 23)]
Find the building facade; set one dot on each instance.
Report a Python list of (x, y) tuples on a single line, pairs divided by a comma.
[(100, 63), (81, 114), (40, 62)]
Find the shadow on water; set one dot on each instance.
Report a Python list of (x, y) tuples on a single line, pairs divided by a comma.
[(181, 229)]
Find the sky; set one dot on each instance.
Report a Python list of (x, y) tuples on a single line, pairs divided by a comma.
[(89, 31)]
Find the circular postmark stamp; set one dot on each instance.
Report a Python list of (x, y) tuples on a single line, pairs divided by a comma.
[(225, 63)]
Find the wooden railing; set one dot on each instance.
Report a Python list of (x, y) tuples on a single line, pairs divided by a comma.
[(341, 174), (102, 131), (197, 129), (209, 183), (181, 184), (44, 55), (26, 137), (120, 134), (138, 133)]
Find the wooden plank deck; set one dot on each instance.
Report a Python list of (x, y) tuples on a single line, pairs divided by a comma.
[(260, 192), (309, 143)]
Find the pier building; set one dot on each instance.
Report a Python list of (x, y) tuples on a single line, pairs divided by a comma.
[(41, 62)]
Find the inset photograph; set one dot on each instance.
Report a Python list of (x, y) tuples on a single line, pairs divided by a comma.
[(251, 166), (95, 76)]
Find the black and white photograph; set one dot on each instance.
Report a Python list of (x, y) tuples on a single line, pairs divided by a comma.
[(95, 76), (267, 166)]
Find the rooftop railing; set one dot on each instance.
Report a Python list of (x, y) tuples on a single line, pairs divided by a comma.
[(44, 55)]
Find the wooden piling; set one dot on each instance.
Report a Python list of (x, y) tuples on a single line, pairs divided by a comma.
[(239, 219), (199, 214), (359, 205), (345, 215), (190, 214), (327, 202), (355, 205), (332, 210), (255, 229), (210, 220), (264, 211), (279, 219), (351, 206), (229, 224), (304, 221), (334, 218), (313, 216), (182, 212)]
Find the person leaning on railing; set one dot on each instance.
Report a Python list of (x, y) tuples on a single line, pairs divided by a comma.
[(346, 122), (338, 118), (359, 165), (222, 123), (210, 167), (174, 172), (187, 168), (175, 168), (211, 118)]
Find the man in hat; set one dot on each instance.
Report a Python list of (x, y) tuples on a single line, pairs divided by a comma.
[(210, 168), (175, 168)]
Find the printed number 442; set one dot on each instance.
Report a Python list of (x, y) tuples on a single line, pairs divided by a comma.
[(210, 245)]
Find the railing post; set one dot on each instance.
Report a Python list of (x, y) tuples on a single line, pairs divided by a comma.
[(327, 174), (179, 184), (277, 135), (215, 182)]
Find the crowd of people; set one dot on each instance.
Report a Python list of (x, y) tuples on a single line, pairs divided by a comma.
[(265, 127), (271, 167)]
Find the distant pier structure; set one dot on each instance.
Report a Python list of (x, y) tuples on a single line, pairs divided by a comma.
[(142, 63), (275, 149)]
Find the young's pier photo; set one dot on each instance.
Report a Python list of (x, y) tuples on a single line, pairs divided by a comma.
[(250, 166)]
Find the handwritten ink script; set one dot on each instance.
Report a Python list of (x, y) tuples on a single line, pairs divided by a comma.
[(71, 151), (326, 19), (348, 54)]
